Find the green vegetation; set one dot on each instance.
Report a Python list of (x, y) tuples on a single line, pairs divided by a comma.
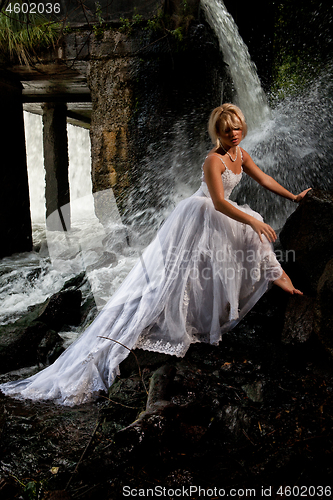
[(32, 490), (292, 75), (175, 25), (23, 37), (160, 25), (302, 44), (163, 24), (127, 25)]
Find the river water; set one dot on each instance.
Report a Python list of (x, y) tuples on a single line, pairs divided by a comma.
[(292, 142)]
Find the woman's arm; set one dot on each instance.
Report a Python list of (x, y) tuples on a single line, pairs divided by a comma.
[(213, 169), (267, 181)]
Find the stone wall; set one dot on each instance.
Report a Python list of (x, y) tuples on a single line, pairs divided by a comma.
[(77, 12)]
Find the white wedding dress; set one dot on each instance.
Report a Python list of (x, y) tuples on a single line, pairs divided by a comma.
[(196, 280)]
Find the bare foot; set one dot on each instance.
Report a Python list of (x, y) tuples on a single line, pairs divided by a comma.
[(285, 283)]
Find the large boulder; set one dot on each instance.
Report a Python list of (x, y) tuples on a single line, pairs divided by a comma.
[(323, 324), (299, 320), (309, 234), (33, 337)]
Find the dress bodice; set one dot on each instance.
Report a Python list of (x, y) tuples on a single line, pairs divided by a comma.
[(229, 179)]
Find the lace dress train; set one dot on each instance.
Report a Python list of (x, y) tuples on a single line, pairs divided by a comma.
[(196, 280)]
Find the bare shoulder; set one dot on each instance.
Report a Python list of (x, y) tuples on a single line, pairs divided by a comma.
[(213, 163), (248, 164), (251, 169), (246, 156)]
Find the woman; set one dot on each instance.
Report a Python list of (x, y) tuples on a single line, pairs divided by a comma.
[(208, 265), (227, 127)]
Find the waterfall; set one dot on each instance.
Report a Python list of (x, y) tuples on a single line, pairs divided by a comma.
[(249, 95), (79, 155), (33, 129), (293, 141), (79, 169)]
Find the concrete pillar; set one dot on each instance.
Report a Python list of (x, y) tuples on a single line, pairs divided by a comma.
[(111, 83), (15, 220), (56, 167)]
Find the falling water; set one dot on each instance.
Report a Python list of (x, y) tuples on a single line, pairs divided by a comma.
[(79, 169), (249, 95), (293, 141), (295, 147), (35, 161)]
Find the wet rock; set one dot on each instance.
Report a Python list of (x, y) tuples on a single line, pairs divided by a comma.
[(9, 489), (147, 359), (180, 478), (159, 385), (235, 420), (2, 421), (201, 424), (323, 309), (57, 495), (309, 233), (254, 391), (192, 434), (106, 260), (299, 320), (21, 343), (33, 275), (62, 308), (76, 282), (49, 348), (157, 401)]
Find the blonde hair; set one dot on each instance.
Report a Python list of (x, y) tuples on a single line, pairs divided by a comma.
[(225, 116)]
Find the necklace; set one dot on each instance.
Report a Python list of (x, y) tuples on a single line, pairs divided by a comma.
[(231, 158)]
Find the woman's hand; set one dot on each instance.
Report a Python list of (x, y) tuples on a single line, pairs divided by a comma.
[(261, 228), (300, 196)]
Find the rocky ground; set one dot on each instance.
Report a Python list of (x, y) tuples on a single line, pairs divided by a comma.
[(254, 412)]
